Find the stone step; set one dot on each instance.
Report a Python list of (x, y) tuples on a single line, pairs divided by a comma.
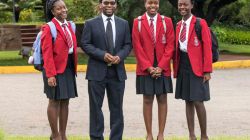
[(28, 39), (27, 44), (28, 35), (28, 26), (31, 30)]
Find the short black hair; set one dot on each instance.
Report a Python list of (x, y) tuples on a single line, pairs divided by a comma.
[(49, 7), (192, 1), (100, 1), (146, 1)]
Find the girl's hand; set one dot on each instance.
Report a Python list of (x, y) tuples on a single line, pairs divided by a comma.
[(52, 81), (157, 72), (151, 70), (206, 77)]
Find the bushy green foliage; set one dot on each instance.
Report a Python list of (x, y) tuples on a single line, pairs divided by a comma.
[(130, 9), (27, 8), (80, 10), (233, 35), (26, 15), (6, 17), (236, 13), (244, 15)]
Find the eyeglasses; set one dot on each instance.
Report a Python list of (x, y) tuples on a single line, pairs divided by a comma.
[(109, 2)]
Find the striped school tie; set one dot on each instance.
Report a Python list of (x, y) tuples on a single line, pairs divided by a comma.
[(183, 32), (68, 38), (152, 30)]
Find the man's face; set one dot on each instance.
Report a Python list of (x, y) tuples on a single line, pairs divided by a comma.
[(152, 6), (108, 7)]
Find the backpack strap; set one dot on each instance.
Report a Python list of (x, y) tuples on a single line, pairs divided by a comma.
[(139, 23), (164, 23), (198, 28), (52, 30), (73, 26)]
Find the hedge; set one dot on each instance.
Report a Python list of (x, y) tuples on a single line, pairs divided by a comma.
[(233, 35)]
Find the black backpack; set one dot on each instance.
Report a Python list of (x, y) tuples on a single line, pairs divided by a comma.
[(215, 45)]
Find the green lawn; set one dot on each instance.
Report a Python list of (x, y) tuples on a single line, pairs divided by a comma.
[(11, 58), (234, 49)]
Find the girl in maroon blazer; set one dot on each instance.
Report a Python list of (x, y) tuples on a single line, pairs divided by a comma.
[(60, 61), (192, 67), (153, 42)]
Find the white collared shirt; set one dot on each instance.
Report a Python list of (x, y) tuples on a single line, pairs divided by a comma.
[(67, 28), (105, 21), (184, 44), (154, 22)]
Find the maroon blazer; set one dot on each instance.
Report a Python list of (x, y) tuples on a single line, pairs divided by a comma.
[(144, 48), (55, 54), (200, 55)]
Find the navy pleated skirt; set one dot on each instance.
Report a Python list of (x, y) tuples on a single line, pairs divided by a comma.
[(66, 83), (147, 85), (190, 87)]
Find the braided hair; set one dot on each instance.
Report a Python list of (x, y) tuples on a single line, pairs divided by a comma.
[(49, 8)]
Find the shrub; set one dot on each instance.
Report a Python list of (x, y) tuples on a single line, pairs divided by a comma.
[(80, 10), (26, 15), (245, 14), (233, 35), (31, 15), (6, 17)]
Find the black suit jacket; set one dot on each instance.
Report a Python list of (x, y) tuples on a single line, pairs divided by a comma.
[(94, 44)]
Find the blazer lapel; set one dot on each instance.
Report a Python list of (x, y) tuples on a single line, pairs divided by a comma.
[(144, 22), (101, 26), (178, 31), (158, 26), (59, 29), (191, 28), (72, 34), (117, 30)]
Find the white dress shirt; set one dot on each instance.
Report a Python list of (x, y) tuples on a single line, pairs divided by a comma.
[(105, 21), (154, 22), (184, 44), (65, 22)]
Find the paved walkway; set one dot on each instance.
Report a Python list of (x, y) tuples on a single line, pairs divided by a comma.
[(23, 107)]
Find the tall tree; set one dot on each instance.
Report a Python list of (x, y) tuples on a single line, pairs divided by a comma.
[(44, 3), (207, 9)]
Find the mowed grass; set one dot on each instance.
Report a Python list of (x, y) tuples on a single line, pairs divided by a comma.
[(234, 49), (12, 58)]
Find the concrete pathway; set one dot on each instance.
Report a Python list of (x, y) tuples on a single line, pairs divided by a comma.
[(23, 107)]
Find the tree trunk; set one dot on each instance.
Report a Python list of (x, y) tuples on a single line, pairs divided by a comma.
[(44, 2)]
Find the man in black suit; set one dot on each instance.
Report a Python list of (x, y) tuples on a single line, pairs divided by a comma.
[(106, 39)]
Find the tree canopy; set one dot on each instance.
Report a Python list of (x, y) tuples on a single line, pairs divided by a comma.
[(232, 11)]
